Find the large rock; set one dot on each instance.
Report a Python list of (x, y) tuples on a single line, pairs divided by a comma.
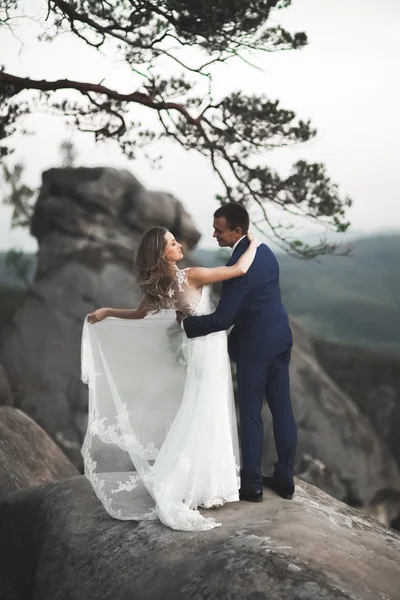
[(5, 389), (57, 542), (88, 223), (28, 457), (372, 378), (338, 448)]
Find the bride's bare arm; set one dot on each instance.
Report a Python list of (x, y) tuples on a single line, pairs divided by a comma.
[(198, 276), (120, 313)]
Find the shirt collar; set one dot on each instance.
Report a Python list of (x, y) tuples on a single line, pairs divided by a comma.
[(235, 245)]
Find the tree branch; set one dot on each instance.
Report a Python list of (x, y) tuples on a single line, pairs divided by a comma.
[(25, 83), (229, 132)]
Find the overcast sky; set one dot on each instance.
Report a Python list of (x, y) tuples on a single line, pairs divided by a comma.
[(346, 81)]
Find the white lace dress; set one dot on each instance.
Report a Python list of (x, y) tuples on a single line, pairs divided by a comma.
[(162, 434)]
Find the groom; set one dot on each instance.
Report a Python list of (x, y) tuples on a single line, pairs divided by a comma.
[(260, 345)]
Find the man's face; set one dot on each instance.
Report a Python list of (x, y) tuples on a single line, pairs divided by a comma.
[(224, 235)]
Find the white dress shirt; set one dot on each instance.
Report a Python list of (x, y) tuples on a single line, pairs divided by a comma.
[(234, 245)]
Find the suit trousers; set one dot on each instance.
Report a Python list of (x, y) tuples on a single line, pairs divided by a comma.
[(257, 380)]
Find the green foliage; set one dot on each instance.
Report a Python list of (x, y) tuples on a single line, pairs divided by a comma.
[(15, 283), (19, 264), (17, 194), (11, 111), (233, 132), (68, 153)]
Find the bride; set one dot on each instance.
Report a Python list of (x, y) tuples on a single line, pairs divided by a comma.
[(162, 437)]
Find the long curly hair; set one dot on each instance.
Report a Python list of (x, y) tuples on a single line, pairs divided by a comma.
[(154, 274)]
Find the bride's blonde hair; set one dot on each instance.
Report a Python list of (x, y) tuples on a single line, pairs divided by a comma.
[(154, 273)]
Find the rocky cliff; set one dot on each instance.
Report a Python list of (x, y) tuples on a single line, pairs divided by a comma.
[(88, 223), (57, 542), (338, 448)]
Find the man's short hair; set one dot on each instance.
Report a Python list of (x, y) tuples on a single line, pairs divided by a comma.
[(236, 216)]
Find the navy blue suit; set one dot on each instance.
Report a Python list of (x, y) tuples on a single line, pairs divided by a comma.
[(260, 344)]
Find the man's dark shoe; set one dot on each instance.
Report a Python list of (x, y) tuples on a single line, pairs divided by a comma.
[(251, 496), (282, 490)]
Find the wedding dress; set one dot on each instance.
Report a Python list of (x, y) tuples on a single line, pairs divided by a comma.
[(162, 437)]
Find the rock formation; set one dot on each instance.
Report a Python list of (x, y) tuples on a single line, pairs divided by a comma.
[(88, 223), (57, 542), (5, 389), (372, 378), (344, 454), (28, 457)]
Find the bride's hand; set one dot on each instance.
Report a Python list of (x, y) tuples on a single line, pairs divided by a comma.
[(98, 315), (253, 239)]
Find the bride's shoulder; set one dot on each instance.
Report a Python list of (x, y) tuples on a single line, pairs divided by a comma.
[(182, 273), (182, 277)]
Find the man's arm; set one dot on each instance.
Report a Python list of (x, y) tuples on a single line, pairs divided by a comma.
[(234, 293)]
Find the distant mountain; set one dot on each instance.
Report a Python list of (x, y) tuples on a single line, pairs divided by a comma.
[(352, 300)]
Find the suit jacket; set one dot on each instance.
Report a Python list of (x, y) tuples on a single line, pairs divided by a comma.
[(253, 304)]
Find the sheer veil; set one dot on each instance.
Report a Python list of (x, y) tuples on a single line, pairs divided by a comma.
[(162, 437)]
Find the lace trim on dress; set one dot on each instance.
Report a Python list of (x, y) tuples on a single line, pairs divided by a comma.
[(164, 472), (182, 279)]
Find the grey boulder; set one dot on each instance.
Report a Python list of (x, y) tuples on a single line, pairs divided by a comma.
[(58, 543), (28, 457), (88, 223), (5, 389)]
